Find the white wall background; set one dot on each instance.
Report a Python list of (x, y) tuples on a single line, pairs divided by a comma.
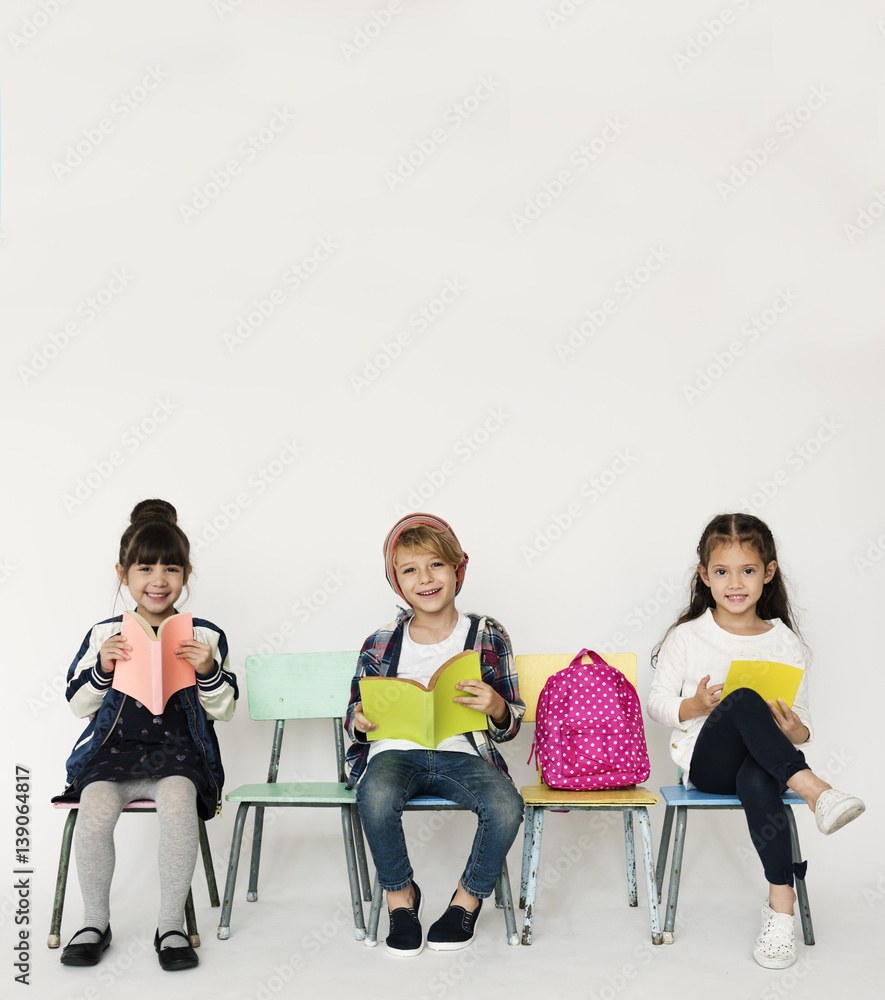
[(165, 169)]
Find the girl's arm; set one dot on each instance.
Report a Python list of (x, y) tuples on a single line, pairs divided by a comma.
[(665, 698), (216, 685), (88, 680)]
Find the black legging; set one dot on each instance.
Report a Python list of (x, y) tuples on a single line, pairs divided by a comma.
[(741, 751)]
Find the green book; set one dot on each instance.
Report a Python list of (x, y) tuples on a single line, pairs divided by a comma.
[(406, 710), (771, 680)]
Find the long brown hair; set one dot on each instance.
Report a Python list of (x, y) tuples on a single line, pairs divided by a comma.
[(749, 531)]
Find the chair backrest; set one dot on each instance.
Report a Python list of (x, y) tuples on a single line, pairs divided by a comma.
[(299, 685), (534, 669)]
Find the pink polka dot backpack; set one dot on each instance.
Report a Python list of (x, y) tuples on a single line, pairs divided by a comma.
[(588, 729)]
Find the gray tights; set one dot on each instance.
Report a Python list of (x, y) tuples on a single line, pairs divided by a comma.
[(100, 806)]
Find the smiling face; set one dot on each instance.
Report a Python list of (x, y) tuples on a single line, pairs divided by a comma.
[(426, 580), (154, 587), (735, 575)]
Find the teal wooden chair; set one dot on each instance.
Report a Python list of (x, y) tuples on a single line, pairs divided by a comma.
[(290, 686), (503, 895), (533, 671), (64, 861), (679, 800)]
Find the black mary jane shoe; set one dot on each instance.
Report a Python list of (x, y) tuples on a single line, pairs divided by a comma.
[(86, 954), (173, 959)]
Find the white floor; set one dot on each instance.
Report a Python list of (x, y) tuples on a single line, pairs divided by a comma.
[(587, 943)]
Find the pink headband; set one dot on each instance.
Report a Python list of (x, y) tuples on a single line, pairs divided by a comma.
[(412, 521)]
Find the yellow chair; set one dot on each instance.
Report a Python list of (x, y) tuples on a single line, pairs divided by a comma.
[(533, 672)]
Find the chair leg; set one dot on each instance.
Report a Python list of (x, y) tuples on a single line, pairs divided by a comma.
[(231, 882), (208, 867), (503, 892), (648, 864), (532, 875), (632, 897), (360, 843), (664, 849), (528, 828), (61, 882), (359, 926), (257, 832), (374, 914), (190, 919), (801, 890), (675, 872)]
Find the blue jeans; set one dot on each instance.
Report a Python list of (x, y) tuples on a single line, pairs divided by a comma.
[(395, 776)]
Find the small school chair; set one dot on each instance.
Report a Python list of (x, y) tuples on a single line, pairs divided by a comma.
[(64, 860), (533, 672), (679, 800), (288, 686), (503, 894)]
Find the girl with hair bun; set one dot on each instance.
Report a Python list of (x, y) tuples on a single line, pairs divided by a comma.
[(127, 753)]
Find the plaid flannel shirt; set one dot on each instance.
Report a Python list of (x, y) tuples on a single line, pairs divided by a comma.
[(498, 670)]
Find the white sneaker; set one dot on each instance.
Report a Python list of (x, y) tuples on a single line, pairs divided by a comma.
[(775, 947), (834, 809)]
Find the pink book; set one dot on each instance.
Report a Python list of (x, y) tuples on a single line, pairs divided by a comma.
[(153, 673)]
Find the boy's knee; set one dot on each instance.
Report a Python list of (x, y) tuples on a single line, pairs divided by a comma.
[(506, 808)]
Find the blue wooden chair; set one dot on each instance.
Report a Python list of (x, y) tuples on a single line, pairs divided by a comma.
[(64, 861), (679, 800), (533, 672), (503, 895), (280, 687)]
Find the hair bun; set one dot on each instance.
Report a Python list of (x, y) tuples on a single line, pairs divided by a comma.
[(153, 510)]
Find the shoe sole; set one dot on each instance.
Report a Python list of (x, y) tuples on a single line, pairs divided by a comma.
[(449, 945), (774, 963), (843, 819)]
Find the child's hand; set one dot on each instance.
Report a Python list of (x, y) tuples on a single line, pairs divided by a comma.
[(484, 698), (111, 650), (360, 722), (788, 722), (197, 654), (705, 699)]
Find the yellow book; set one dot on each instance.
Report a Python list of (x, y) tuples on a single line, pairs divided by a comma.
[(406, 710), (771, 680)]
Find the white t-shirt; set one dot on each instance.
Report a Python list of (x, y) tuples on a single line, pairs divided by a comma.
[(419, 662), (700, 647)]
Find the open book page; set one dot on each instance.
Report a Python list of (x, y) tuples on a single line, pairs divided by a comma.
[(153, 673), (406, 710)]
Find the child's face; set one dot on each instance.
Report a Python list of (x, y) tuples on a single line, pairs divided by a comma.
[(155, 589), (735, 575), (426, 580)]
